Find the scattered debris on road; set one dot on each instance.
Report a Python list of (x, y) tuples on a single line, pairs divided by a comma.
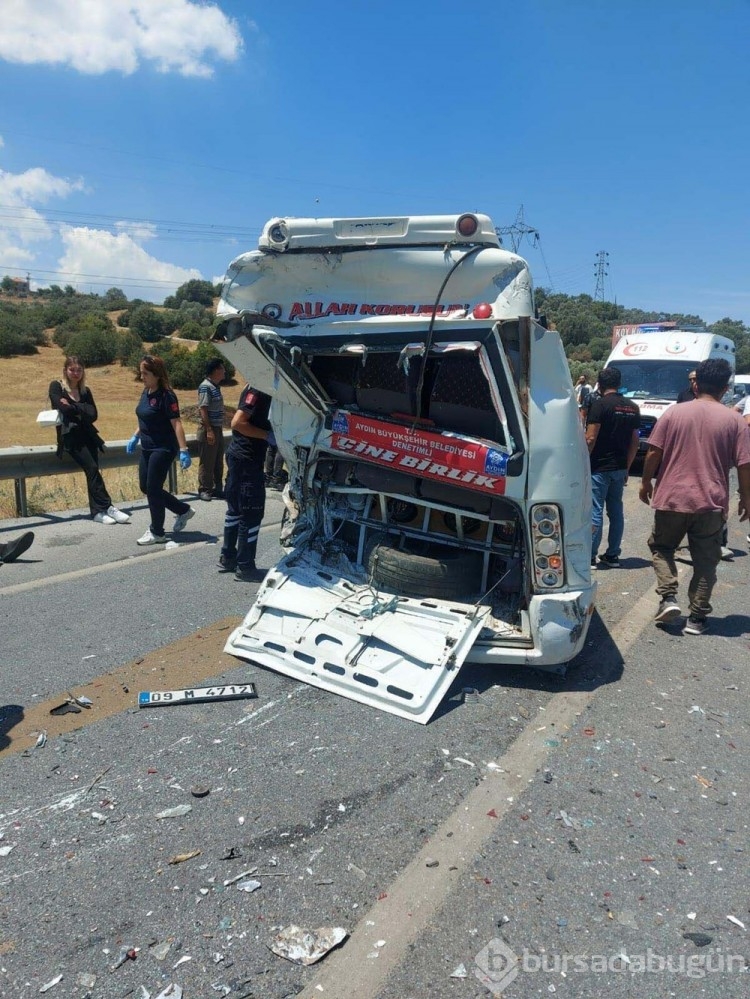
[(301, 946), (180, 858), (174, 813), (51, 984)]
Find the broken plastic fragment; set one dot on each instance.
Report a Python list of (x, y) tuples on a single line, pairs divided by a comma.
[(248, 886), (239, 877), (127, 953), (174, 813), (172, 991), (303, 946), (182, 960), (459, 972), (699, 939), (160, 950), (737, 922), (66, 707), (50, 984)]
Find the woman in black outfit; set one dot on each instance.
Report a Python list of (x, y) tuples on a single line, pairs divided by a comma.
[(78, 437), (162, 437)]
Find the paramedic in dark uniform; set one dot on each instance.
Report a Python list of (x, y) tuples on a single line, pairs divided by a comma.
[(245, 484)]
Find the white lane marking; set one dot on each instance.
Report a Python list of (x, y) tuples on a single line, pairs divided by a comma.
[(413, 900), (93, 570)]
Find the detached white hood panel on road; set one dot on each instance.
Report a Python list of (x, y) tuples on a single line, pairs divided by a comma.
[(394, 653)]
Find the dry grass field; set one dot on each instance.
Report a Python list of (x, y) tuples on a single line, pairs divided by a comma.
[(116, 393)]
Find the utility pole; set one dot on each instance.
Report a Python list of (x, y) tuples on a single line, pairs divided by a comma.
[(600, 272)]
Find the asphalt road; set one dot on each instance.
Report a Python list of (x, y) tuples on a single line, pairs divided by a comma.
[(539, 835)]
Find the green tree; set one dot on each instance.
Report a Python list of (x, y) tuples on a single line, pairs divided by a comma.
[(187, 368), (146, 323), (740, 334), (13, 344), (89, 322), (129, 349), (170, 321), (196, 312), (114, 298), (93, 346), (193, 291), (191, 330)]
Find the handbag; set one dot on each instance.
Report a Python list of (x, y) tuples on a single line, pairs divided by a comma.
[(49, 418)]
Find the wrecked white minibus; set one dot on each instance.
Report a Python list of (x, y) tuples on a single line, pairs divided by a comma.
[(439, 492)]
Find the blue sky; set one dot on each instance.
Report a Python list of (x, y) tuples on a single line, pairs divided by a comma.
[(144, 142)]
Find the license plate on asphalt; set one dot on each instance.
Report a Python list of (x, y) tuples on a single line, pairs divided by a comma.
[(195, 695)]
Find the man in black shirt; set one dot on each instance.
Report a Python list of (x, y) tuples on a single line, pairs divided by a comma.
[(612, 439), (245, 485), (691, 392)]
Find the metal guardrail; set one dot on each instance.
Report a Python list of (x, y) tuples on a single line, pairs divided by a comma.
[(21, 463)]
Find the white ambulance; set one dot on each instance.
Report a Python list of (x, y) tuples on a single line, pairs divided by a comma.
[(439, 491), (655, 368)]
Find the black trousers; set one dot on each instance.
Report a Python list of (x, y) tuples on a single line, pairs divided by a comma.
[(245, 493), (153, 468), (87, 457)]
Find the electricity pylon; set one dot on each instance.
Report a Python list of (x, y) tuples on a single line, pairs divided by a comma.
[(600, 272)]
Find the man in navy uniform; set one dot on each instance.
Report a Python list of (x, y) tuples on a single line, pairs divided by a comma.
[(245, 485)]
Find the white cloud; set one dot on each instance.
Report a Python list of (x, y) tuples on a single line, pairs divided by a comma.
[(93, 259), (34, 185), (97, 36), (20, 224), (98, 260)]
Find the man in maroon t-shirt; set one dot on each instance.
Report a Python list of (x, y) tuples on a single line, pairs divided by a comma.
[(691, 450)]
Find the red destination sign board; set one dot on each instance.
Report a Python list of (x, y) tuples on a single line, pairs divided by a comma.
[(426, 453)]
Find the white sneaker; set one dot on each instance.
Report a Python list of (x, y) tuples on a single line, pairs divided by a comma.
[(152, 539), (118, 516), (182, 519), (104, 518), (727, 555)]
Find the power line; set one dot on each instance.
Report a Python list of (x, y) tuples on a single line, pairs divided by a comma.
[(31, 221), (101, 280)]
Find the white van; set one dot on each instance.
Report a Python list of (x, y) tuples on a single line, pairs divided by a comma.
[(655, 368), (439, 491)]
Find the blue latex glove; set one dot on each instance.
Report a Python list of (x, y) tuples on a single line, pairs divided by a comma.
[(185, 460), (271, 439), (132, 444)]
